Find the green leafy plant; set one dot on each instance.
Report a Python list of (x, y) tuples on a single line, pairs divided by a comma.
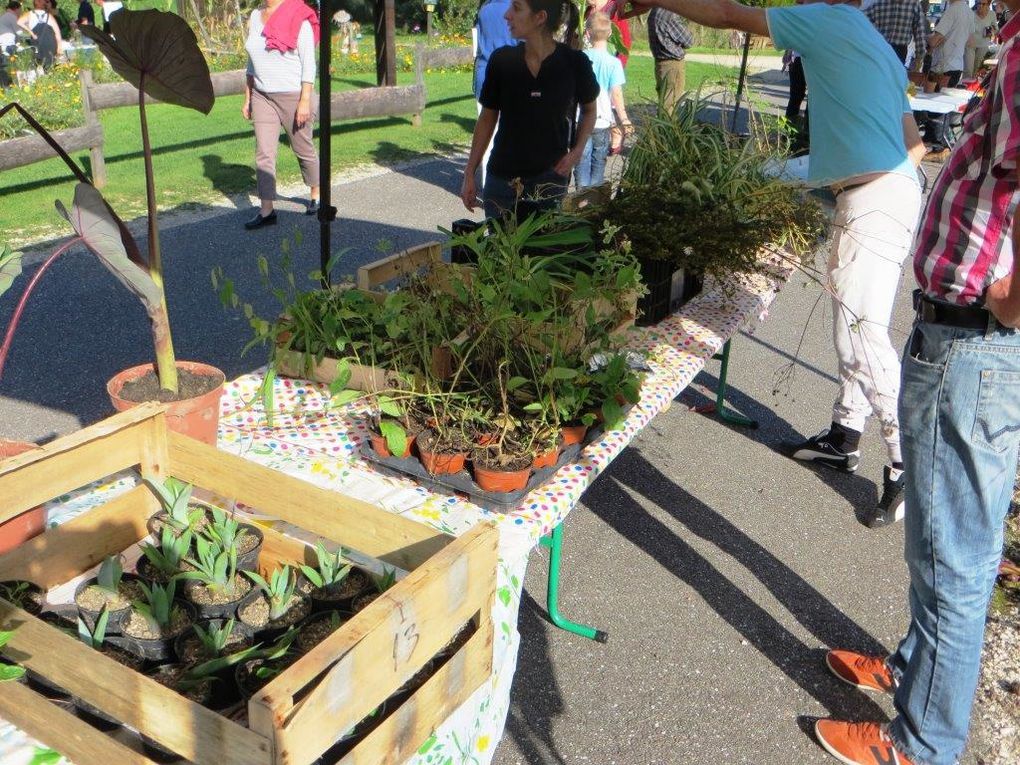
[(110, 574), (175, 496), (208, 669), (223, 530), (46, 756), (386, 579), (157, 607), (276, 656), (94, 637), (279, 590), (332, 568), (167, 556), (214, 638), (214, 567), (16, 592), (9, 672)]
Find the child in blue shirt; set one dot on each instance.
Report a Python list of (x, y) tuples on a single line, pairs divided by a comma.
[(591, 170)]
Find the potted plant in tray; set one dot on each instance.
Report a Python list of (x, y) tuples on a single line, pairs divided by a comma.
[(155, 621), (161, 563), (279, 608), (109, 590), (173, 71), (336, 582), (216, 587)]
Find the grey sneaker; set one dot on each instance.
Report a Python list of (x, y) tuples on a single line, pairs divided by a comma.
[(891, 506)]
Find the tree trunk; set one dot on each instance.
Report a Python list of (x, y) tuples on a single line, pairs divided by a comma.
[(206, 40)]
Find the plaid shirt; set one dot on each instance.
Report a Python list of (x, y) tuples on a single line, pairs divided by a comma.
[(899, 21), (964, 243), (668, 36)]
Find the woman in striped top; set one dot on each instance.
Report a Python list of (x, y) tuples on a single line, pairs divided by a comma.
[(281, 78)]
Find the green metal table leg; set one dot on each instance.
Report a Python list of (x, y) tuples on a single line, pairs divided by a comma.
[(554, 541), (725, 414)]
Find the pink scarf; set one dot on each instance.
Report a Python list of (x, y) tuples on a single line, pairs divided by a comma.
[(281, 31)]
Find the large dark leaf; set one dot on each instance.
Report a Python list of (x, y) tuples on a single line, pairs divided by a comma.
[(91, 218), (160, 51)]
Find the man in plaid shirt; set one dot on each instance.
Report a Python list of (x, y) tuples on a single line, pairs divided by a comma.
[(668, 38), (960, 426), (899, 22)]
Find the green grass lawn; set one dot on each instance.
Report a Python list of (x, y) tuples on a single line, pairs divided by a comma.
[(198, 159)]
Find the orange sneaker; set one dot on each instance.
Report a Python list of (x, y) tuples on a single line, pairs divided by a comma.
[(869, 673), (858, 743)]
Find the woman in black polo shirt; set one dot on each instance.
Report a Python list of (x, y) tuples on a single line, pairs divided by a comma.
[(532, 91)]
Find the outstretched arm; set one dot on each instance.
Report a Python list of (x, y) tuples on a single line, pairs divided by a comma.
[(721, 14)]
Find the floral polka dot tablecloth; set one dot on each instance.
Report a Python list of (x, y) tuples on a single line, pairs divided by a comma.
[(318, 443)]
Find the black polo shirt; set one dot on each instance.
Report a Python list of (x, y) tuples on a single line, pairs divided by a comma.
[(534, 112)]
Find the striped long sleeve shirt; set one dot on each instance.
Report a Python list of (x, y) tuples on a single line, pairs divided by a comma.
[(899, 22)]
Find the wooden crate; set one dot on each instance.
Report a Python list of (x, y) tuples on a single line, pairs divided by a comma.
[(299, 714)]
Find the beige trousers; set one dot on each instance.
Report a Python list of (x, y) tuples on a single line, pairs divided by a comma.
[(270, 111), (669, 82)]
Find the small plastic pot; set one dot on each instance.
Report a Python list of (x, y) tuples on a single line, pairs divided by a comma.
[(380, 447), (249, 561), (154, 649), (437, 463), (270, 632), (94, 717), (546, 459), (32, 597), (157, 753), (116, 618), (328, 599), (573, 434), (239, 628), (229, 610), (501, 481), (39, 683), (304, 646)]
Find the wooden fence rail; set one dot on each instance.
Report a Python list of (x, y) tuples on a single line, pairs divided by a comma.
[(385, 101)]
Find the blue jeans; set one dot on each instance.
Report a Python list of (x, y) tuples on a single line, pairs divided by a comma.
[(538, 193), (960, 431), (591, 170)]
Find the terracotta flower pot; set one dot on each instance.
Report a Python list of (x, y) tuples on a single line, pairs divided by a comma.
[(546, 459), (379, 445), (501, 480), (28, 524), (197, 417), (573, 434), (441, 464)]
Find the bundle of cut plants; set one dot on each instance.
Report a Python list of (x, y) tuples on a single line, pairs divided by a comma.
[(703, 199)]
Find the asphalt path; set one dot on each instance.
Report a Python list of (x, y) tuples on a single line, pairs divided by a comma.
[(720, 568)]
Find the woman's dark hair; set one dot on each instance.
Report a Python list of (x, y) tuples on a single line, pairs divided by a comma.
[(553, 11), (14, 5)]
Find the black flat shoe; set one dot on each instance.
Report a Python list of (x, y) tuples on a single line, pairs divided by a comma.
[(261, 220), (313, 207)]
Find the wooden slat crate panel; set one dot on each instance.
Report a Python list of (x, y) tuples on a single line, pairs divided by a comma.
[(304, 710)]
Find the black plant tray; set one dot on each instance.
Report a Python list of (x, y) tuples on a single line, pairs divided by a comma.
[(461, 483)]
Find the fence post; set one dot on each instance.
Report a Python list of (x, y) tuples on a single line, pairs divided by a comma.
[(419, 80), (92, 118)]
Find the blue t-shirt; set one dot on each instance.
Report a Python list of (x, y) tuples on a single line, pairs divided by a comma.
[(857, 87), (493, 34), (608, 74)]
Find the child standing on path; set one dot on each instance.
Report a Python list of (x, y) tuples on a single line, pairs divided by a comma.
[(609, 107)]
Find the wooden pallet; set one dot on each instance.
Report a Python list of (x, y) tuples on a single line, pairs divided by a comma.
[(299, 714)]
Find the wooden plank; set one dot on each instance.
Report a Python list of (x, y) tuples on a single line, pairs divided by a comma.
[(409, 625), (291, 364), (200, 735), (111, 95), (386, 101), (92, 118), (74, 461), (364, 527), (399, 264), (403, 731), (59, 555), (18, 152), (437, 58), (74, 738)]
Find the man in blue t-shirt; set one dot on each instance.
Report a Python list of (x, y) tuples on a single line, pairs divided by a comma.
[(865, 146)]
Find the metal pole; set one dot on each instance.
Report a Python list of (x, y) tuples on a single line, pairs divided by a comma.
[(740, 81), (327, 213)]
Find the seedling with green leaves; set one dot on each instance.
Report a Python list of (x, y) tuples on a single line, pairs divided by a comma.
[(274, 656), (157, 607), (279, 590), (166, 558), (207, 670), (16, 592), (175, 496), (333, 568), (9, 672), (94, 637), (110, 574), (386, 579), (224, 530), (215, 567), (214, 638)]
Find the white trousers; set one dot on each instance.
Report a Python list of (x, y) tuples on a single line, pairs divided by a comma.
[(874, 230)]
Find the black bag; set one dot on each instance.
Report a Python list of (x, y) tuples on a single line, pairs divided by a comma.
[(45, 42)]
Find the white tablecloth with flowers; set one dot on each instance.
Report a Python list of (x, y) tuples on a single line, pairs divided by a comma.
[(314, 441)]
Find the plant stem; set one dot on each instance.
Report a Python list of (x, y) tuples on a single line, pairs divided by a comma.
[(166, 366), (9, 336)]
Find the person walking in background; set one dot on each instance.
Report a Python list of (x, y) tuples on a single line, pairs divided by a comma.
[(86, 16), (949, 41), (986, 27), (900, 22), (108, 8), (533, 92), (609, 106), (490, 33), (9, 29), (668, 38), (45, 32), (799, 143), (959, 412), (866, 148), (282, 36)]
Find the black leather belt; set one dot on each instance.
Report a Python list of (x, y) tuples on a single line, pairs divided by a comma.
[(934, 311)]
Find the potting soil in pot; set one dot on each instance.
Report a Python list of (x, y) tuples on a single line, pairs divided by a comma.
[(353, 584), (319, 627), (94, 597), (201, 595), (192, 651), (137, 626), (256, 614), (189, 385)]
